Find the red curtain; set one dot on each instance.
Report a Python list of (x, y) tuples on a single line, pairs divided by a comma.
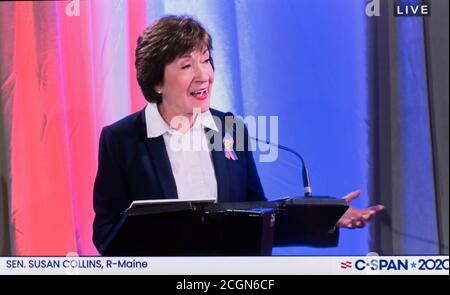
[(62, 79)]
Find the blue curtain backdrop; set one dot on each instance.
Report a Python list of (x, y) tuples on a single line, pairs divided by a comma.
[(417, 215)]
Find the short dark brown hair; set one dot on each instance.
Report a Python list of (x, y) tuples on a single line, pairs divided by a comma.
[(167, 39)]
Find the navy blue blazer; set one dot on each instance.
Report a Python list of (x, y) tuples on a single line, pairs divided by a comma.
[(134, 167)]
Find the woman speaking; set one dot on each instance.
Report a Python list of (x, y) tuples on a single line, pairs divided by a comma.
[(177, 146)]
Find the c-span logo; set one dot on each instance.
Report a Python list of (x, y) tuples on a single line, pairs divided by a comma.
[(377, 264)]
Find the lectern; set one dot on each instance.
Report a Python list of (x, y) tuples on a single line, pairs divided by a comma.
[(196, 228)]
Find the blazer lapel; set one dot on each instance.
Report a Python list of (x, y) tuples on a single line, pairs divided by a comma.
[(220, 167), (158, 155)]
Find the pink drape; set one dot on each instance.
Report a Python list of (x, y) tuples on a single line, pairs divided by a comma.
[(60, 92)]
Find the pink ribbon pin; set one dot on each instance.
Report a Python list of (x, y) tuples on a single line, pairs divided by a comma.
[(228, 145)]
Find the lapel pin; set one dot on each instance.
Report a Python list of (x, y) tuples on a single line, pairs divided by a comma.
[(228, 146)]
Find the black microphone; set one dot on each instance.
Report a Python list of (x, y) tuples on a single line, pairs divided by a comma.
[(305, 174)]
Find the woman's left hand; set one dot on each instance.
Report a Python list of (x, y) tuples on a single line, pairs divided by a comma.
[(357, 218)]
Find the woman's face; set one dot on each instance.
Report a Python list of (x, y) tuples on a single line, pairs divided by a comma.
[(187, 85)]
